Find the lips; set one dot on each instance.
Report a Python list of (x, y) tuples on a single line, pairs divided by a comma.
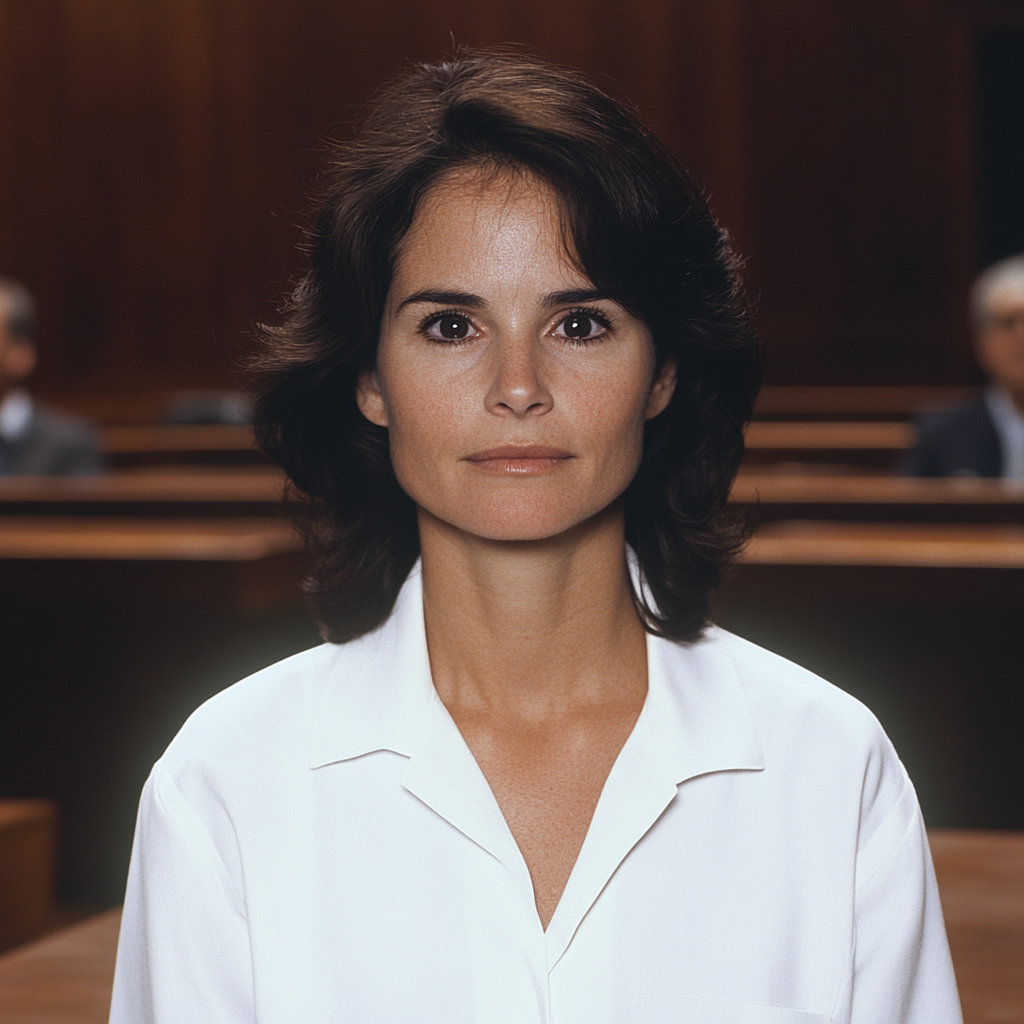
[(520, 459)]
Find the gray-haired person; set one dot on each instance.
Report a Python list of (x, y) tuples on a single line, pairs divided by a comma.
[(985, 437), (34, 441)]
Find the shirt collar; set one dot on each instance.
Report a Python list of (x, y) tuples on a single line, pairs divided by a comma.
[(379, 695), (696, 710), (16, 409)]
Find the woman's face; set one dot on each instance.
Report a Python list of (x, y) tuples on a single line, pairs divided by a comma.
[(514, 393)]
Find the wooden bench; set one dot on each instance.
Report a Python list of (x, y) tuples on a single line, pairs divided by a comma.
[(242, 563), (788, 446), (848, 402), (66, 978), (889, 545), (879, 498), (138, 429), (184, 540), (28, 838), (146, 444), (179, 491)]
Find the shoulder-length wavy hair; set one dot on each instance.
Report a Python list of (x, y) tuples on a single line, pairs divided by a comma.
[(634, 224)]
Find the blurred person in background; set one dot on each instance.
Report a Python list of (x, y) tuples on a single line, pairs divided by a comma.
[(985, 437), (34, 441)]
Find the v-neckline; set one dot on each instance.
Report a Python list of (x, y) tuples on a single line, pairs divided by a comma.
[(444, 774)]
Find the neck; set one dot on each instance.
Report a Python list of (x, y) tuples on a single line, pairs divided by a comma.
[(531, 628)]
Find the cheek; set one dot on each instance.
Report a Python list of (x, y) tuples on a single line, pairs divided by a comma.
[(620, 431), (423, 417), (607, 424), (614, 407)]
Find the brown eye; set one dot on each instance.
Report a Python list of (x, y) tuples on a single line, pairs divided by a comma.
[(579, 327), (582, 326), (452, 328)]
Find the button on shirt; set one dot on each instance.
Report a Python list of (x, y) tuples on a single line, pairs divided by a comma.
[(318, 846)]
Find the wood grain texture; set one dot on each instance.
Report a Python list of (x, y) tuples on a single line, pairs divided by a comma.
[(878, 401), (28, 847), (156, 156), (179, 438), (887, 544), (895, 491), (830, 436), (187, 540), (772, 492), (981, 880), (63, 979), (136, 445), (171, 484)]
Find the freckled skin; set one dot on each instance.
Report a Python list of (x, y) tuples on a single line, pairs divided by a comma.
[(535, 645)]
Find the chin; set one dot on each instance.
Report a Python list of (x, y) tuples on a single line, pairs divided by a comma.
[(525, 521), (512, 533)]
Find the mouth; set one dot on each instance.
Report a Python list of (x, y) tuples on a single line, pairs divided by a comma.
[(520, 460)]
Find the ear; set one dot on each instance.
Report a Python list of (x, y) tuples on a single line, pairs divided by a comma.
[(662, 389), (370, 399), (19, 358)]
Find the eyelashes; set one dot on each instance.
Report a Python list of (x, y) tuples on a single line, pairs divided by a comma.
[(576, 332), (452, 325), (577, 326)]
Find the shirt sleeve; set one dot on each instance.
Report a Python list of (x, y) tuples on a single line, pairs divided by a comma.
[(902, 971), (183, 953)]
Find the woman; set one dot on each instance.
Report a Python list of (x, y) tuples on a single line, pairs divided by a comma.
[(525, 780)]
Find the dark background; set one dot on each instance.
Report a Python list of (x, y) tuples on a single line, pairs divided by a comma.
[(866, 155), (1001, 142)]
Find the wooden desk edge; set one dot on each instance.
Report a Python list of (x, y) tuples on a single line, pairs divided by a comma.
[(127, 539)]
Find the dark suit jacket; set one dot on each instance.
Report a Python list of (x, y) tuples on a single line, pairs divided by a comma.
[(956, 442), (54, 445)]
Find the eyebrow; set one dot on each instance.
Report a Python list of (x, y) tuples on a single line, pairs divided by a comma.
[(573, 297), (446, 298), (442, 298)]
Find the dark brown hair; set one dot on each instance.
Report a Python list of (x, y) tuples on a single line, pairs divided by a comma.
[(635, 225)]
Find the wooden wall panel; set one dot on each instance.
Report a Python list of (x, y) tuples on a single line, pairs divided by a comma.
[(154, 154), (861, 242)]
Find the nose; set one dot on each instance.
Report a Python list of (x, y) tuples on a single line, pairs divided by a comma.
[(517, 385)]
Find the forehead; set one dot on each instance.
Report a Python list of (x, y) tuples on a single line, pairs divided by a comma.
[(489, 188), (485, 218)]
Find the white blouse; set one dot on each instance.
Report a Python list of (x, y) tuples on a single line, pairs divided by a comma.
[(318, 846)]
